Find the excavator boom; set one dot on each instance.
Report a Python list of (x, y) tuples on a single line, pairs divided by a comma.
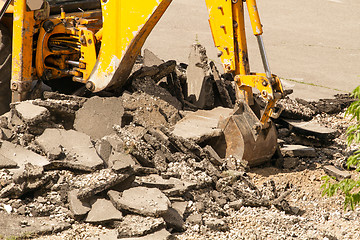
[(122, 43)]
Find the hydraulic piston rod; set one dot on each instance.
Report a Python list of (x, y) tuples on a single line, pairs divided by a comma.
[(264, 57), (258, 31)]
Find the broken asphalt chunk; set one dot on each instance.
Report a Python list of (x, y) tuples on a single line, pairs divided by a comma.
[(336, 172), (150, 59), (137, 226), (220, 90), (98, 115), (101, 181), (180, 206), (203, 125), (154, 181), (311, 129), (141, 200), (30, 113), (36, 226), (76, 147), (6, 162), (21, 156), (78, 208), (293, 109), (213, 156), (195, 219), (298, 151), (181, 187), (121, 161), (199, 79), (103, 211), (159, 235)]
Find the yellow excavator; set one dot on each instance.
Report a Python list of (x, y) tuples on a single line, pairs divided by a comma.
[(95, 44)]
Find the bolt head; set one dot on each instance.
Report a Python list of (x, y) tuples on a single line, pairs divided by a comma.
[(90, 86)]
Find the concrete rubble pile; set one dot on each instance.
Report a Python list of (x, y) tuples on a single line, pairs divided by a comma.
[(116, 161)]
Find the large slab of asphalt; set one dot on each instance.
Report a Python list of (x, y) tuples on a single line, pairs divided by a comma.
[(314, 44)]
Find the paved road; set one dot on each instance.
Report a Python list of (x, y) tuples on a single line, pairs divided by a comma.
[(314, 41)]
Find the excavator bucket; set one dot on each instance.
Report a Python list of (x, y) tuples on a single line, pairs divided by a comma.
[(248, 136), (126, 25), (245, 139)]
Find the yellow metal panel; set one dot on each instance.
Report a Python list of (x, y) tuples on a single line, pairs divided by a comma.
[(22, 50), (126, 25), (254, 17), (221, 24), (271, 92), (258, 81), (242, 60), (88, 52)]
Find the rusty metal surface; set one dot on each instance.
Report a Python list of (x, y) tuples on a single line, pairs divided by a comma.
[(245, 138)]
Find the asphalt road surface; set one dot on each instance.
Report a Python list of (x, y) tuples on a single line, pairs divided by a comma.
[(314, 44)]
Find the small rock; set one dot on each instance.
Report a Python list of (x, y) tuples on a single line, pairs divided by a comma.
[(195, 219), (290, 162), (174, 220), (236, 204), (217, 224), (180, 207), (8, 208), (200, 206)]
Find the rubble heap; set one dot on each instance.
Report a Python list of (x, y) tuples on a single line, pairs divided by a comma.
[(114, 161)]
